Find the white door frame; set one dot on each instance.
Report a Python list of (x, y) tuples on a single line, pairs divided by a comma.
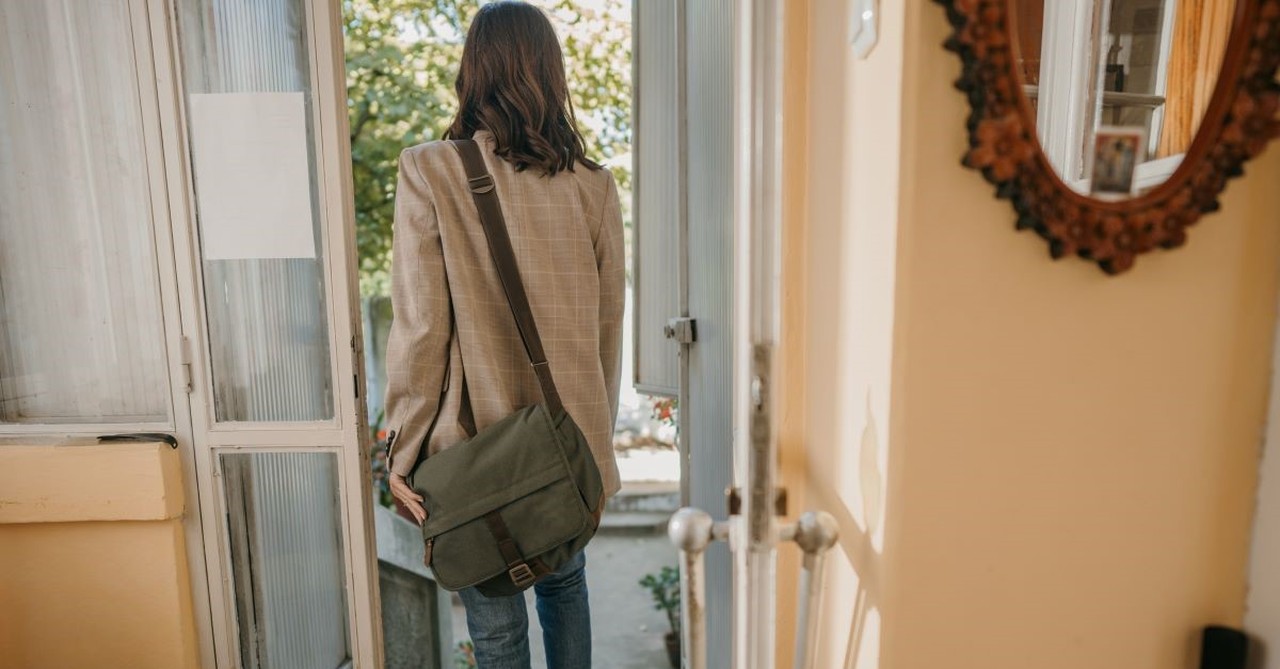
[(757, 223), (1068, 93), (347, 434)]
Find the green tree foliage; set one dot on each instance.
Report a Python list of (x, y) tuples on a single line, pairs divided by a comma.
[(402, 58)]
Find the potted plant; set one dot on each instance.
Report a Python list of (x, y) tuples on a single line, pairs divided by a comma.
[(464, 655), (665, 589)]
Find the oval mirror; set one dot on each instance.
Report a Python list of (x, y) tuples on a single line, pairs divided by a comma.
[(1113, 124)]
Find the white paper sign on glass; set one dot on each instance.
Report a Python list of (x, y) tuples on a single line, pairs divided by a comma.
[(253, 181)]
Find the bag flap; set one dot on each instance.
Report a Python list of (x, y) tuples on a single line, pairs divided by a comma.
[(504, 462), (539, 522)]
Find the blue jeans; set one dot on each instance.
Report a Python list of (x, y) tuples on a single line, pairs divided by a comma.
[(499, 626)]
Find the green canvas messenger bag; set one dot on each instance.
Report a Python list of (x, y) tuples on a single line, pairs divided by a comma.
[(523, 496)]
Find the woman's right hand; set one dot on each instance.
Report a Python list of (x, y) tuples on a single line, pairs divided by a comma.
[(408, 497)]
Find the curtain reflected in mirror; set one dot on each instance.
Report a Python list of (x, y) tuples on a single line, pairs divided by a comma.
[(1200, 35)]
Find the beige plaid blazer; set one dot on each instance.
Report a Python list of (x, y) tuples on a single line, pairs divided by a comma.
[(452, 321)]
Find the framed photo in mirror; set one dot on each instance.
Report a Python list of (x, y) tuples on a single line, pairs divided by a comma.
[(1117, 151)]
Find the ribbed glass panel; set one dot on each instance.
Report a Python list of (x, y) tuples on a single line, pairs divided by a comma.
[(658, 208), (286, 553), (269, 340), (81, 333), (710, 201)]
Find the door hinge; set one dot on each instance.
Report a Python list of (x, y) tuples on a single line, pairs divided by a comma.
[(357, 361), (683, 330), (188, 378)]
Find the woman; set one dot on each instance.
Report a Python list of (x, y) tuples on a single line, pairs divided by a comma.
[(455, 361)]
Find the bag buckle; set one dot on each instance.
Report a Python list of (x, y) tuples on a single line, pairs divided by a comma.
[(481, 184), (521, 575)]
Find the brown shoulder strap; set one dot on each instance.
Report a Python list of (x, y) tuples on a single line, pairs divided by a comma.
[(504, 258)]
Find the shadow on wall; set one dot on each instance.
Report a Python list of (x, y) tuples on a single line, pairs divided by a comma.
[(861, 540), (862, 644), (851, 273), (863, 651)]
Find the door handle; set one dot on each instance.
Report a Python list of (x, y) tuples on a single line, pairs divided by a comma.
[(693, 530), (815, 532)]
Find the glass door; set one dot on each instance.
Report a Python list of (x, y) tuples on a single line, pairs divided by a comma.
[(259, 133), (91, 334), (85, 336), (684, 256), (717, 200)]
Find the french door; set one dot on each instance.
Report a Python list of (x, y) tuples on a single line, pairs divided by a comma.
[(683, 254), (177, 256), (198, 173), (256, 122), (709, 147)]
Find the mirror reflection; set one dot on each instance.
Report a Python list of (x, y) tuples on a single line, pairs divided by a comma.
[(1119, 87)]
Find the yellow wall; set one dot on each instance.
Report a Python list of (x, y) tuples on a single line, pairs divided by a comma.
[(793, 352), (93, 566), (1033, 464)]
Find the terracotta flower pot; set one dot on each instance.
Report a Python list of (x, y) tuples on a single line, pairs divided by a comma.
[(673, 649)]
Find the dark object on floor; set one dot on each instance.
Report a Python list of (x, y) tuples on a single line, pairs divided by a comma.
[(1224, 648), (139, 437), (673, 649), (664, 586)]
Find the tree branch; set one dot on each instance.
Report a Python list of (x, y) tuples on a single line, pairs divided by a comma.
[(361, 119)]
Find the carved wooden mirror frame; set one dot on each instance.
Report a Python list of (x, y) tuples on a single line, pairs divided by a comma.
[(1241, 118)]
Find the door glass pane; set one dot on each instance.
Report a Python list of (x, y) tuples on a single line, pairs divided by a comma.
[(81, 334), (248, 84), (286, 559)]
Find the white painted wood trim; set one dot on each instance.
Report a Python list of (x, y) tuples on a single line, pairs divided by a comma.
[(1162, 73), (170, 243), (209, 573), (1262, 604), (334, 157), (71, 431), (1065, 115), (1155, 172), (759, 29), (346, 435)]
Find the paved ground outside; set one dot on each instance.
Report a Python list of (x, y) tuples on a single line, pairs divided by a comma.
[(627, 631)]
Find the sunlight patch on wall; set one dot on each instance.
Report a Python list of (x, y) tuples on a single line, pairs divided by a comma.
[(866, 655)]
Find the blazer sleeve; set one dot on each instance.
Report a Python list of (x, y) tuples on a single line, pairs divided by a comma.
[(611, 264), (418, 344)]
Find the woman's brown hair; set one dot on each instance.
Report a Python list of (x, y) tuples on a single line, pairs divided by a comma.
[(511, 82)]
